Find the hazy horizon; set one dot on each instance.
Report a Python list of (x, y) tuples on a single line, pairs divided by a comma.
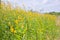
[(37, 5)]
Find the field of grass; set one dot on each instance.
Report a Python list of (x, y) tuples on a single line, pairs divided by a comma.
[(17, 24)]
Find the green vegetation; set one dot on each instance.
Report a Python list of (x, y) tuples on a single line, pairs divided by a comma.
[(55, 13), (18, 24)]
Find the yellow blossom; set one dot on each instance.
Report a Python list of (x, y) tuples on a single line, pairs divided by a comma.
[(12, 29), (16, 21), (20, 18)]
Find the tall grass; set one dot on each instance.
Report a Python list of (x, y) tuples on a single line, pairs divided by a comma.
[(17, 24)]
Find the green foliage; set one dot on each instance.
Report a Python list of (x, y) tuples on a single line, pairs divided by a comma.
[(21, 25), (55, 13)]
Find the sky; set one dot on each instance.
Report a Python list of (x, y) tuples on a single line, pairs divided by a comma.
[(37, 5)]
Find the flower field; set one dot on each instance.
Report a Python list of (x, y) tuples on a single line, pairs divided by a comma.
[(18, 24)]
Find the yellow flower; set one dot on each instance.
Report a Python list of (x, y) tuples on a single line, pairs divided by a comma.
[(12, 29), (30, 14), (16, 21), (20, 18)]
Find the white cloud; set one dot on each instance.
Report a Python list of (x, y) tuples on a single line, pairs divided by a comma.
[(44, 1)]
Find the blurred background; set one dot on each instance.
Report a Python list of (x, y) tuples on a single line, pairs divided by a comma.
[(36, 5)]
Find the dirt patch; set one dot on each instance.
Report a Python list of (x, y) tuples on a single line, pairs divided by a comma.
[(58, 21)]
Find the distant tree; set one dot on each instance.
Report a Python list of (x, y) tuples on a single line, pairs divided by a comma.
[(54, 13)]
